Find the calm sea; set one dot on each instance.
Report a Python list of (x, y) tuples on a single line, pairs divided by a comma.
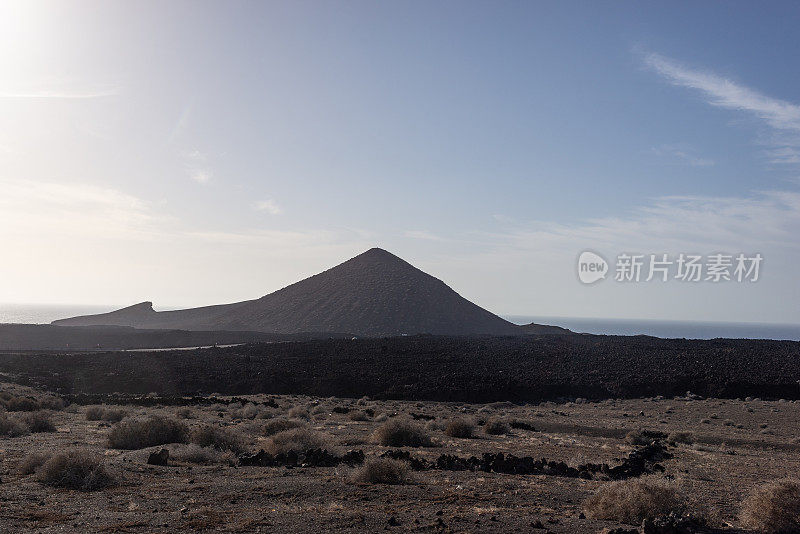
[(669, 329), (46, 313), (42, 314)]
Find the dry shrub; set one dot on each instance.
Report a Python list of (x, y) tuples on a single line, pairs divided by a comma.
[(223, 439), (185, 413), (634, 500), (21, 404), (12, 428), (358, 415), (298, 412), (39, 421), (459, 428), (686, 438), (75, 469), (250, 411), (297, 440), (279, 425), (402, 433), (773, 507), (496, 427), (31, 462), (101, 413), (195, 454), (141, 433), (638, 437), (94, 413), (51, 403), (381, 471)]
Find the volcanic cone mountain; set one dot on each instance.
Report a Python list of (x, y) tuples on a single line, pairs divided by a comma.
[(373, 294)]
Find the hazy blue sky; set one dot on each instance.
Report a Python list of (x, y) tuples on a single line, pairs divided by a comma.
[(200, 152)]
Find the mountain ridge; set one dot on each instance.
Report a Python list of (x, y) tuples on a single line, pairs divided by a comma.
[(373, 294)]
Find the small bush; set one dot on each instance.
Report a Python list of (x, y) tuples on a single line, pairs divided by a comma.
[(298, 412), (195, 454), (636, 437), (51, 403), (223, 439), (21, 404), (686, 438), (250, 411), (39, 421), (459, 428), (75, 469), (101, 413), (381, 471), (94, 413), (634, 500), (279, 425), (185, 413), (773, 507), (402, 433), (11, 428), (358, 415), (496, 427), (141, 433), (297, 440), (31, 462)]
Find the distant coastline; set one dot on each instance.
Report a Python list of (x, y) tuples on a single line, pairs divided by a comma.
[(666, 329), (44, 314)]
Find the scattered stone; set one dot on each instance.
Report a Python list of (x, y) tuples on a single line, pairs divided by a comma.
[(158, 458)]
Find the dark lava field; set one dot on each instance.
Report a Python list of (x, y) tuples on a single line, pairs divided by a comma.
[(467, 369)]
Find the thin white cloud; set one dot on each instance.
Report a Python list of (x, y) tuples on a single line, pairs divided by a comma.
[(682, 154), (36, 208), (197, 166), (270, 206), (780, 115), (728, 94), (422, 234), (678, 224)]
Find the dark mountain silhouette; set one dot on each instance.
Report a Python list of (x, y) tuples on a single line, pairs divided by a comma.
[(373, 294)]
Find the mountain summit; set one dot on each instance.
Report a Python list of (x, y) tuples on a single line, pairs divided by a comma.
[(374, 294)]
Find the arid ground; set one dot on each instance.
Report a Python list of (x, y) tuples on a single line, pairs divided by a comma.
[(717, 451)]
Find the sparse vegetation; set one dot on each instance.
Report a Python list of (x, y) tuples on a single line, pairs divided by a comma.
[(279, 425), (496, 427), (402, 433), (773, 508), (14, 403), (685, 438), (358, 415), (634, 500), (12, 428), (298, 412), (195, 454), (381, 471), (297, 440), (101, 413), (31, 462), (141, 433), (459, 428), (39, 421), (223, 439), (75, 469)]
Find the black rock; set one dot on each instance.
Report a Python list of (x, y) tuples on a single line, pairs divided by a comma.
[(158, 458)]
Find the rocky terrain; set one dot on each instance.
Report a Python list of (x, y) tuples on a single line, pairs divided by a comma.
[(224, 464), (373, 294), (477, 369), (40, 337)]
